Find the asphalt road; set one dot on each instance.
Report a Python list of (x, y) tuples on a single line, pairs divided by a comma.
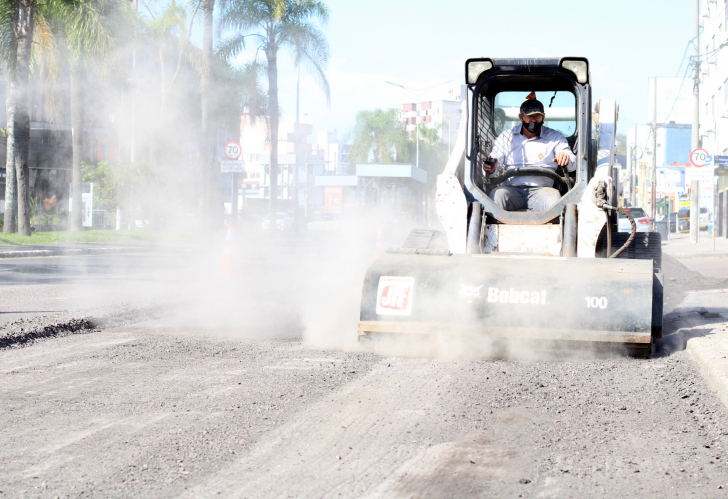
[(243, 387)]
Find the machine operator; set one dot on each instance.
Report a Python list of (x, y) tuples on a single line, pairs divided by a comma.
[(525, 145)]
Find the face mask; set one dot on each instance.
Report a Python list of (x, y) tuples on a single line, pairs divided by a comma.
[(533, 127)]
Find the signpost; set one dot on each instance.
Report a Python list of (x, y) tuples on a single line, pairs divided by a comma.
[(699, 157), (233, 150), (229, 166), (700, 175), (233, 166)]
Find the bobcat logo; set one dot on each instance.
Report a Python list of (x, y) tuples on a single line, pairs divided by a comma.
[(470, 293)]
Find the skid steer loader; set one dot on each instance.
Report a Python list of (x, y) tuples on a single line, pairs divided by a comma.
[(564, 274)]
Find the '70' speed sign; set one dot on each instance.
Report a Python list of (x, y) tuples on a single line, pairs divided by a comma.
[(233, 150), (699, 157)]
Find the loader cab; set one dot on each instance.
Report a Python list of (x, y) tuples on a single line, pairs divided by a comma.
[(496, 89)]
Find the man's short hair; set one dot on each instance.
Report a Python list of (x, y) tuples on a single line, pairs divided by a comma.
[(532, 106)]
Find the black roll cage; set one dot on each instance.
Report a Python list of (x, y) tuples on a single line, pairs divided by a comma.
[(515, 75)]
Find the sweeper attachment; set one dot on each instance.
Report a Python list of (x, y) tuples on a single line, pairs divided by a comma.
[(562, 274)]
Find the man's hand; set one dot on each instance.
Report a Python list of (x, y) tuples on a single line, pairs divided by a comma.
[(491, 168), (562, 159)]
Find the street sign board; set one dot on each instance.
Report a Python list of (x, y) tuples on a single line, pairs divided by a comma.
[(232, 166), (233, 150), (720, 160), (698, 157)]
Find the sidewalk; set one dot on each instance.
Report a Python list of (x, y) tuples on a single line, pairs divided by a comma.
[(65, 249), (679, 246), (701, 323), (701, 319)]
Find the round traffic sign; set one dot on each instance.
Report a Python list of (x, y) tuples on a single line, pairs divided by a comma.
[(699, 157), (233, 150)]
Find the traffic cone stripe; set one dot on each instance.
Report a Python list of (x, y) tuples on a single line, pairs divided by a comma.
[(227, 266), (378, 244)]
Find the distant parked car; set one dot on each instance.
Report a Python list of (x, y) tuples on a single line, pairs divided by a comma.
[(640, 218), (684, 219), (704, 218)]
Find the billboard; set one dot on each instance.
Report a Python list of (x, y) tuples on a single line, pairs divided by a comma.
[(334, 199)]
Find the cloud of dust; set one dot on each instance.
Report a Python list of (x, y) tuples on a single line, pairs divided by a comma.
[(288, 285)]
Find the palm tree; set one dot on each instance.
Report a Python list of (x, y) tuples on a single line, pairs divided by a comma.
[(23, 18), (278, 24), (9, 53), (381, 133), (11, 179), (85, 29)]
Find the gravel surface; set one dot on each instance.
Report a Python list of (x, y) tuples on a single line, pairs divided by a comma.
[(123, 413), (134, 409)]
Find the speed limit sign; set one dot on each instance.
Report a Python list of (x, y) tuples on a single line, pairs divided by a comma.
[(699, 157), (233, 150)]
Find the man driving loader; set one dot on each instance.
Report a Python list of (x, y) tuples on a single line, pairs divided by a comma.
[(526, 145)]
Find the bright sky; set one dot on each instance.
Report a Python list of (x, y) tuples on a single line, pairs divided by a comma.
[(423, 43)]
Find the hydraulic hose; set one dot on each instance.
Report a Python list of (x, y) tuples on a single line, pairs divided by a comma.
[(609, 232)]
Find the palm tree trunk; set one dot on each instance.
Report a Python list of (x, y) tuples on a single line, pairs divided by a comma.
[(11, 180), (206, 183), (77, 111), (24, 33), (272, 55)]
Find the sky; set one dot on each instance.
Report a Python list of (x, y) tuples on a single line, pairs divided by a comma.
[(423, 43)]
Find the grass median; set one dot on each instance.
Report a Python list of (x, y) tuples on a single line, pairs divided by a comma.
[(86, 236)]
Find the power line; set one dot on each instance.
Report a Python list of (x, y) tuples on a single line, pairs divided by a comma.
[(677, 96), (690, 42)]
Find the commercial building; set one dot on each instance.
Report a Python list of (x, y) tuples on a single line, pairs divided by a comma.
[(714, 77), (441, 112), (713, 90), (316, 179), (674, 113)]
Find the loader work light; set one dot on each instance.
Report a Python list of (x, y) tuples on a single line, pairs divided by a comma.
[(579, 67), (475, 67)]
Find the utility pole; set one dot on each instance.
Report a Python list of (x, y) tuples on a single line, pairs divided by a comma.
[(695, 211), (653, 199), (696, 80), (695, 197), (295, 149), (633, 171)]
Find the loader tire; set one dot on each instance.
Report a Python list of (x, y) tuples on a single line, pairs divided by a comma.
[(646, 246)]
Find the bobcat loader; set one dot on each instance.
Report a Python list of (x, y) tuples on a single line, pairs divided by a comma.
[(561, 275)]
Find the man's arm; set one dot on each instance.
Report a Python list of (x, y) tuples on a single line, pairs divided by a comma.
[(498, 153), (563, 155)]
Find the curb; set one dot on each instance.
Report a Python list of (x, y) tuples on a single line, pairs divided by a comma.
[(73, 251), (713, 364)]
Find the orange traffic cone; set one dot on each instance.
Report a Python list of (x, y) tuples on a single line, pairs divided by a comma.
[(378, 244), (227, 266)]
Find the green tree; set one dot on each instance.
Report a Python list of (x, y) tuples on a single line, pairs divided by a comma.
[(278, 24), (8, 54), (85, 28), (11, 54), (621, 145), (380, 132), (23, 19)]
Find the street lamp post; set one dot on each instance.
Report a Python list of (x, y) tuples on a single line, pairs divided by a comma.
[(418, 93), (449, 120)]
